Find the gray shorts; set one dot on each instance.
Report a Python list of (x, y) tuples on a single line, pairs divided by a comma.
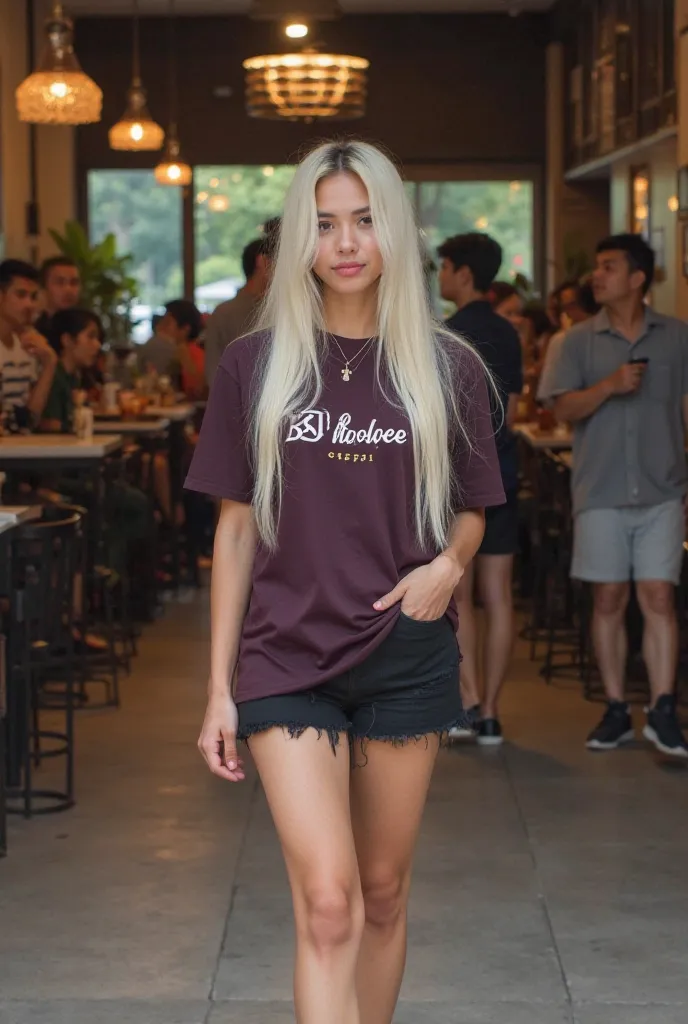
[(612, 545)]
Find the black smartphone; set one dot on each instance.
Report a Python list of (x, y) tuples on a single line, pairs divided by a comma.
[(643, 361)]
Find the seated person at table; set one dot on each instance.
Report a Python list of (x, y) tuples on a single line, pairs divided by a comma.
[(76, 335), (182, 323), (27, 362), (60, 283)]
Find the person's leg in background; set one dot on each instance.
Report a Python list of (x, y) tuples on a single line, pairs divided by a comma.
[(468, 640), (657, 559), (494, 574), (602, 557), (494, 577)]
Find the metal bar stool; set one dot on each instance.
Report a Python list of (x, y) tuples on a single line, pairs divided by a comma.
[(44, 561)]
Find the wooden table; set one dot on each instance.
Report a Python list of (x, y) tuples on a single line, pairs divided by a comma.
[(157, 425), (54, 450), (177, 413), (55, 453), (558, 439)]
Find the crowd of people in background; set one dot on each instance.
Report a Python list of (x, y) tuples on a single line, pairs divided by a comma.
[(599, 359), (595, 356)]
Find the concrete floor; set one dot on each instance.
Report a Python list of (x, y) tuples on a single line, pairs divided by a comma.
[(551, 884)]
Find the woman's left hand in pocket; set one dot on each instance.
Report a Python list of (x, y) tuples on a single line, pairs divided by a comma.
[(425, 593)]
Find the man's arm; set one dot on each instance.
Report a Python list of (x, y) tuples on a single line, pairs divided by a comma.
[(511, 410), (580, 405), (46, 357)]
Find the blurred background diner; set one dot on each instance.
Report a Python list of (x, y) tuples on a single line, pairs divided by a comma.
[(145, 150)]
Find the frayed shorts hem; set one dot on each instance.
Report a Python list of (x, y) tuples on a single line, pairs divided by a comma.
[(334, 734)]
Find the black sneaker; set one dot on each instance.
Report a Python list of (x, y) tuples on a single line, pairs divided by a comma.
[(615, 728), (490, 733), (466, 732), (663, 728)]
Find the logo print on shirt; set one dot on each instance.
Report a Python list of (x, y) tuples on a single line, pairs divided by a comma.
[(310, 426)]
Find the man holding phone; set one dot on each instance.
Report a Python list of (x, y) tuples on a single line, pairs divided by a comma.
[(622, 380)]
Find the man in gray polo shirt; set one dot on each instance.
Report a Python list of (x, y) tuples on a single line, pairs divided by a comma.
[(622, 380)]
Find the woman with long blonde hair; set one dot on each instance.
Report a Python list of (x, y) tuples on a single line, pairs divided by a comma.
[(350, 441)]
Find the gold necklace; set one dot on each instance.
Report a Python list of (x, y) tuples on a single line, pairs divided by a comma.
[(348, 368)]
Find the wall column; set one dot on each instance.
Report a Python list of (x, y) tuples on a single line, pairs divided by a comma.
[(56, 184)]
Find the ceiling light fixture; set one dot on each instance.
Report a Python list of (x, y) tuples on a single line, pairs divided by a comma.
[(306, 86), (296, 30), (172, 169), (59, 92), (136, 130)]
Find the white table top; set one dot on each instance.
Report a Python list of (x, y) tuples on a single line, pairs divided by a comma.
[(57, 446), (558, 439), (176, 413), (152, 426), (13, 515)]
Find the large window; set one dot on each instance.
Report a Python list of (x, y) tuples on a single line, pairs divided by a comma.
[(503, 209), (231, 206), (146, 219)]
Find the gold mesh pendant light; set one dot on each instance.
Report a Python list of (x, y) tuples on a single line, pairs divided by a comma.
[(172, 169), (306, 86), (136, 130), (59, 92)]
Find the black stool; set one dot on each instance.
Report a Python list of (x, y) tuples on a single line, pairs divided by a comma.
[(44, 561)]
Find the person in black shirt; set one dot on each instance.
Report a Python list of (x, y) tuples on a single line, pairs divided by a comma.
[(470, 263)]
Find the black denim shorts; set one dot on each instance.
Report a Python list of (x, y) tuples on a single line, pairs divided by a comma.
[(407, 689)]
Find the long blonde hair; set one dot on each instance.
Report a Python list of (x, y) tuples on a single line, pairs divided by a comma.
[(408, 335)]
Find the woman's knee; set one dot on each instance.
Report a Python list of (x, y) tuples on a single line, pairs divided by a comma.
[(384, 897), (332, 914)]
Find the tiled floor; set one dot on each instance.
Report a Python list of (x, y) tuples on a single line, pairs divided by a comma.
[(551, 884)]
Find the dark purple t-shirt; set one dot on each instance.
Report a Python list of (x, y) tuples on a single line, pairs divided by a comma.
[(347, 531)]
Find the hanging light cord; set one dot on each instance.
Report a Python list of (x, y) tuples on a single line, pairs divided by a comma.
[(136, 71), (171, 31)]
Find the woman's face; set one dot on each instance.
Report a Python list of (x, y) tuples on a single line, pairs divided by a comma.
[(87, 346), (348, 260), (511, 309)]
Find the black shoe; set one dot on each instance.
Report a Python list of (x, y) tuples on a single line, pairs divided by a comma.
[(663, 728), (490, 733), (615, 728), (466, 732)]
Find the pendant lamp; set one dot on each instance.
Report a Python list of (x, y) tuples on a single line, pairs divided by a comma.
[(59, 92), (172, 169), (136, 130), (306, 85)]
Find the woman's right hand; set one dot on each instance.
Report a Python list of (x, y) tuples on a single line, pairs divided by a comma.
[(217, 741)]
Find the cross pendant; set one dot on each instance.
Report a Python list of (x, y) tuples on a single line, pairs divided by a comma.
[(346, 374)]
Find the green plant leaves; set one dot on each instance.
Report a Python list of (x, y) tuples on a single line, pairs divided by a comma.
[(108, 286)]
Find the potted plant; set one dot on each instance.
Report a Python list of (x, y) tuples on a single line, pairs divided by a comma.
[(107, 284)]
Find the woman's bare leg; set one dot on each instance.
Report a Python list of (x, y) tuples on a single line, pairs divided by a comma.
[(388, 794), (307, 787)]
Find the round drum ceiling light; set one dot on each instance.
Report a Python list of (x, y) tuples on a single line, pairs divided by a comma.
[(306, 86)]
